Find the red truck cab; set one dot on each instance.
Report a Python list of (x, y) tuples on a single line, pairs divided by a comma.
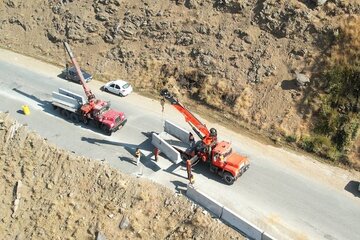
[(227, 163), (109, 120)]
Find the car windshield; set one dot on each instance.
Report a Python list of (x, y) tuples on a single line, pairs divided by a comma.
[(126, 85), (73, 70), (104, 109)]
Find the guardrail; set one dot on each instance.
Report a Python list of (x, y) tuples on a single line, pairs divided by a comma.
[(227, 215)]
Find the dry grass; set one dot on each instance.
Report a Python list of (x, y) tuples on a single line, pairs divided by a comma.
[(243, 103), (347, 49)]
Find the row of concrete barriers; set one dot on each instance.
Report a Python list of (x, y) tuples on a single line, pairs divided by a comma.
[(227, 215)]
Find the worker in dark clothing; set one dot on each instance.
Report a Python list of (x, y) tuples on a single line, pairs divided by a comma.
[(156, 154), (191, 140), (189, 172), (162, 102)]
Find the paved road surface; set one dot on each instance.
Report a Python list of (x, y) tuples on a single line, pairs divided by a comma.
[(287, 194)]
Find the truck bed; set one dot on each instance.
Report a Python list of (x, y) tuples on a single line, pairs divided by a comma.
[(67, 100)]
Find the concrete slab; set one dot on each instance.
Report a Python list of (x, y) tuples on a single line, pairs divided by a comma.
[(205, 201), (241, 224), (176, 131), (266, 236), (166, 148)]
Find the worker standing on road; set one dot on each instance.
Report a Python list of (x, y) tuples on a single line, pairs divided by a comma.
[(189, 172), (137, 156), (191, 139), (162, 102), (156, 154)]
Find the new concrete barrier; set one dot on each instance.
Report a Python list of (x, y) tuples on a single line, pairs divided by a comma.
[(227, 215), (176, 131), (240, 223), (266, 236), (166, 148), (210, 204)]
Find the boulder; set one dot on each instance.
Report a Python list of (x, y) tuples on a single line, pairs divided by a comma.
[(302, 79)]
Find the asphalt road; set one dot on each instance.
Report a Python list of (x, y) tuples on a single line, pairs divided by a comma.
[(289, 195)]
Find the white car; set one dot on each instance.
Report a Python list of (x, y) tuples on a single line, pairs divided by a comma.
[(118, 87)]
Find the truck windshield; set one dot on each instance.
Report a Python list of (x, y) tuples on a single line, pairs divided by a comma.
[(103, 109), (227, 153)]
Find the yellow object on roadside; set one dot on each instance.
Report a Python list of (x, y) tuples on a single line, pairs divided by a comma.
[(26, 109)]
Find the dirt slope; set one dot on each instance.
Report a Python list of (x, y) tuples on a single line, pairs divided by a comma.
[(236, 57), (62, 196)]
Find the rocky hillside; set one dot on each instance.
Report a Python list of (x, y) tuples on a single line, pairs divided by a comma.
[(236, 57), (48, 193)]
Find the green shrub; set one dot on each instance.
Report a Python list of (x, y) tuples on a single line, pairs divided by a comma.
[(321, 145), (307, 144), (290, 138), (337, 120)]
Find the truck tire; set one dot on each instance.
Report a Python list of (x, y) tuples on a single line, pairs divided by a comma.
[(85, 120), (228, 178), (74, 118), (65, 113), (106, 130)]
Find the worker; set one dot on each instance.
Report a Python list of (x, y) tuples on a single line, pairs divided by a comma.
[(191, 139), (162, 102), (156, 154), (137, 156), (189, 172), (221, 157)]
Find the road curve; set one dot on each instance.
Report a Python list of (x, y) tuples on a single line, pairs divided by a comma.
[(289, 195)]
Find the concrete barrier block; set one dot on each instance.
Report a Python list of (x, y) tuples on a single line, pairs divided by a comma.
[(70, 94), (241, 224), (205, 201), (166, 148), (266, 236), (176, 131)]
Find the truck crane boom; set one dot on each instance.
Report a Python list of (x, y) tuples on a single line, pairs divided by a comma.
[(75, 108), (220, 155), (90, 96), (208, 136)]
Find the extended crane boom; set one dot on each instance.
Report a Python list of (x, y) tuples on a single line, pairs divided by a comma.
[(74, 106), (223, 160), (90, 96), (208, 136)]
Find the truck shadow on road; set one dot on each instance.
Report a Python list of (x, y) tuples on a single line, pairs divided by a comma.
[(353, 187), (45, 105), (48, 108), (146, 145), (200, 169)]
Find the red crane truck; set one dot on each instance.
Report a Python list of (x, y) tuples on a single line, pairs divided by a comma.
[(76, 108), (219, 154)]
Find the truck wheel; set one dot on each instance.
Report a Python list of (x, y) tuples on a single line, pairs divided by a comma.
[(229, 178), (74, 118), (85, 120), (65, 113), (106, 130)]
